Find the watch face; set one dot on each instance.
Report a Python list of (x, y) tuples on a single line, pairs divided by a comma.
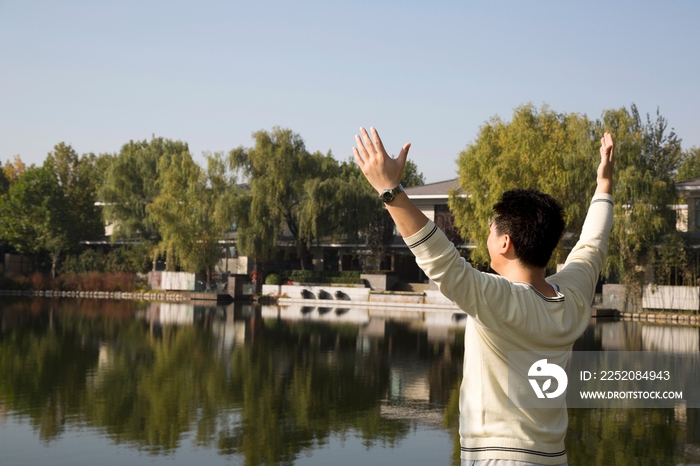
[(387, 195)]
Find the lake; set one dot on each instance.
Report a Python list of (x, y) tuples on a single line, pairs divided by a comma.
[(104, 382)]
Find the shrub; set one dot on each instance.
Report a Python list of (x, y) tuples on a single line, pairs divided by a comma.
[(11, 281), (273, 279), (38, 281), (346, 280), (87, 261), (317, 276)]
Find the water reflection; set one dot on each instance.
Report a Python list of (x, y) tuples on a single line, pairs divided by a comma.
[(273, 385)]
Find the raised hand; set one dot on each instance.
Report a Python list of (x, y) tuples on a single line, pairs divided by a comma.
[(605, 169), (381, 171)]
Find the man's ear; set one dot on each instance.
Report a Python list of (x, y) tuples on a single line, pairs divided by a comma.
[(507, 248)]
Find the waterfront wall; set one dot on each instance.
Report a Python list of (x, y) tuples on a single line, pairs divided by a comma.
[(346, 293), (173, 281), (676, 298), (318, 293)]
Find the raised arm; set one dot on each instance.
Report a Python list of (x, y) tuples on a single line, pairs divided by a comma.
[(383, 172), (586, 259), (605, 169)]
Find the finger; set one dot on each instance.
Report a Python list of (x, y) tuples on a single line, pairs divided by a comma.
[(602, 149), (358, 158), (611, 145), (361, 148), (377, 141), (369, 145), (403, 154)]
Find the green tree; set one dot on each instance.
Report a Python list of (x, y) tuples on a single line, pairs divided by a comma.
[(14, 170), (193, 209), (4, 181), (35, 218), (52, 209), (545, 150), (411, 175), (130, 184), (644, 230), (79, 179), (289, 187), (643, 241), (689, 166)]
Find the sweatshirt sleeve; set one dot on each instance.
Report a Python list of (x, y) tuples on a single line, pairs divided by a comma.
[(455, 277), (586, 260)]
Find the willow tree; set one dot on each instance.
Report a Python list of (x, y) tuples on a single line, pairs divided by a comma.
[(130, 184), (644, 236), (557, 154), (545, 150), (294, 190), (193, 210)]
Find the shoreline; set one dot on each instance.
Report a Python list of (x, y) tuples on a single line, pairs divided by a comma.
[(658, 316), (138, 296)]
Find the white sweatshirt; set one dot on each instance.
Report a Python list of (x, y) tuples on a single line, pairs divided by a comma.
[(508, 316)]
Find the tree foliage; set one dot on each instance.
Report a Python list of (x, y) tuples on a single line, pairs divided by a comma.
[(4, 181), (35, 219), (557, 154), (290, 187), (646, 157), (51, 209), (130, 184), (14, 170), (193, 209), (689, 166), (79, 179), (545, 150)]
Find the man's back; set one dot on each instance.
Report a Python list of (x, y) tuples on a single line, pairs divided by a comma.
[(514, 312), (508, 317)]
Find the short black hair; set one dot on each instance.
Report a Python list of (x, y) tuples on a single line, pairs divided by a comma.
[(534, 221)]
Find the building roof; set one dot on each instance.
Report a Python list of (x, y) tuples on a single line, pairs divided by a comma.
[(689, 188), (440, 189)]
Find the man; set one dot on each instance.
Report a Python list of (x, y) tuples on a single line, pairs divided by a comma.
[(518, 310)]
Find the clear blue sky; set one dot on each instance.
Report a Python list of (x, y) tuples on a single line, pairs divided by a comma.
[(97, 74)]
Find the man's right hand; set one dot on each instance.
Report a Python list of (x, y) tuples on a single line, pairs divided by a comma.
[(381, 171), (605, 169)]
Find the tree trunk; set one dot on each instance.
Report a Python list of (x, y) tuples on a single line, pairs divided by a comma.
[(306, 263), (54, 263)]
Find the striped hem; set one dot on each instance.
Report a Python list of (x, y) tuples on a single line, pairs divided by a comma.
[(426, 238), (514, 450), (602, 200)]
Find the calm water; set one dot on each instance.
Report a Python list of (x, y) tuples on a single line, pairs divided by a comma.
[(86, 382)]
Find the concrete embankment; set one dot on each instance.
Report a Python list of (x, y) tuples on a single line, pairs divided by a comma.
[(145, 296), (326, 295), (321, 295), (662, 317)]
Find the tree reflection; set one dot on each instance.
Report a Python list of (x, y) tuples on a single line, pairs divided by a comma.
[(286, 391), (277, 390)]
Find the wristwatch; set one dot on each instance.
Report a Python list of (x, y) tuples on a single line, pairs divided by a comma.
[(388, 195)]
